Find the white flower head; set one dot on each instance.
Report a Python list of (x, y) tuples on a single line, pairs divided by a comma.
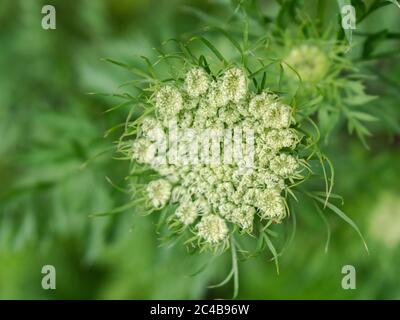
[(158, 193), (152, 129), (270, 204), (260, 103), (277, 139), (229, 116), (270, 180), (169, 101), (143, 151), (147, 124), (186, 212), (234, 84), (277, 115), (212, 229), (179, 194), (217, 97), (284, 165), (243, 216), (196, 82), (226, 209)]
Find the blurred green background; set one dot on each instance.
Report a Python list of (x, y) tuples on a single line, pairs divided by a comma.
[(50, 126)]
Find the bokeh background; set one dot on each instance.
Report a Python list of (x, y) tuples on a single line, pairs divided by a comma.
[(50, 126)]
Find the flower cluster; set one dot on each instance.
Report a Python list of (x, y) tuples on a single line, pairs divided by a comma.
[(213, 200), (309, 61)]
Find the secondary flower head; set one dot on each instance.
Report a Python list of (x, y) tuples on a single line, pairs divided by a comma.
[(243, 216), (278, 139), (271, 204), (212, 229), (169, 101), (143, 151), (284, 165), (267, 108), (197, 82), (148, 124), (187, 212), (309, 61), (158, 193), (234, 85)]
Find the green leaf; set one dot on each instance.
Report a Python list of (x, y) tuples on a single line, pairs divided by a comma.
[(359, 100), (271, 247), (328, 228), (343, 216), (396, 2), (211, 47), (132, 69), (360, 8), (235, 269), (363, 116), (287, 14), (264, 68), (327, 121), (372, 43), (116, 210), (223, 282), (375, 6), (231, 39)]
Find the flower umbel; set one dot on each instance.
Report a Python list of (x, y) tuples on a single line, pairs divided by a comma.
[(309, 61), (215, 199)]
